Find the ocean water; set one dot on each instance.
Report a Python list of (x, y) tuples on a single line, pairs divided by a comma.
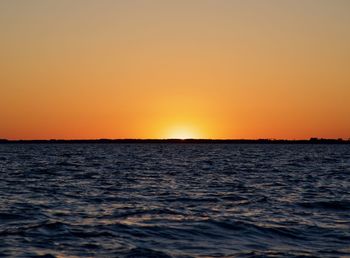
[(174, 200)]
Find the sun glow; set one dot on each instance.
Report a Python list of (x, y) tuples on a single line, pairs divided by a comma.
[(182, 132)]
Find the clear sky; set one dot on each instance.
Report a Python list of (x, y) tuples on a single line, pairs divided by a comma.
[(174, 68)]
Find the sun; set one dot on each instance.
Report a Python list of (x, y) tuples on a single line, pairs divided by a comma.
[(182, 132)]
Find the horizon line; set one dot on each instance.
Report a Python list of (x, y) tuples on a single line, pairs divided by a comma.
[(177, 140)]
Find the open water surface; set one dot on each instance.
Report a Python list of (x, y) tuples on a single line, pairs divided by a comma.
[(174, 200)]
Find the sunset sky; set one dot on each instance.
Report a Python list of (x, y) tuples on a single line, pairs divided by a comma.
[(85, 69)]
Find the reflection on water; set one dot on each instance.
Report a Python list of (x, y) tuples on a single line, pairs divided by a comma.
[(174, 200)]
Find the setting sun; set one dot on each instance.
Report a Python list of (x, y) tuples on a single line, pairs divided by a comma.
[(182, 132)]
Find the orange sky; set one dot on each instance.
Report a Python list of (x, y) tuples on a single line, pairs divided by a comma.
[(184, 68)]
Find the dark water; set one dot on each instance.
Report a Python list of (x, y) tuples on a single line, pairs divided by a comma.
[(174, 200)]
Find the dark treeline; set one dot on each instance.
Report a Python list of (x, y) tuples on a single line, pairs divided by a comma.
[(261, 141)]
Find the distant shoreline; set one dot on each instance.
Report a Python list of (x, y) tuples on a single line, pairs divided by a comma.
[(215, 141)]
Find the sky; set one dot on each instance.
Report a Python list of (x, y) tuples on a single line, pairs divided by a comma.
[(224, 69)]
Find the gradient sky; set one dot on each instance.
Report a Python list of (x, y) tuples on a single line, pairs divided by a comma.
[(183, 68)]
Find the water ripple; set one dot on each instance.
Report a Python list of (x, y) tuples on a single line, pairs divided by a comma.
[(174, 200)]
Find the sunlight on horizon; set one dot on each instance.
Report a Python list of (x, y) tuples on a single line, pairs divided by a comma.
[(182, 132)]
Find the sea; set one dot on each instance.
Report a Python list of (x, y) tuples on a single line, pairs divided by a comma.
[(174, 200)]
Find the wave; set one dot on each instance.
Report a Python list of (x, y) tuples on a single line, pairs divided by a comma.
[(162, 200)]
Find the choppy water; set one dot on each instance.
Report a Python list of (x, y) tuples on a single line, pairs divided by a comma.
[(174, 200)]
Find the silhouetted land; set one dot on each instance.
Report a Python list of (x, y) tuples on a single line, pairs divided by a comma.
[(216, 141)]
